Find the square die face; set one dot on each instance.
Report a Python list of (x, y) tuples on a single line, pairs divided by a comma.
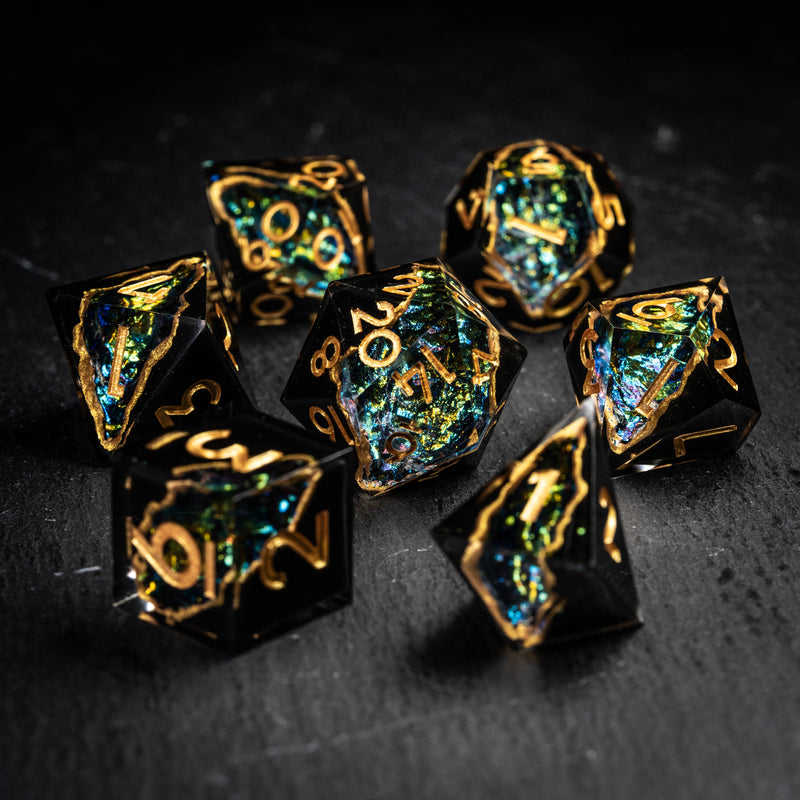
[(232, 534), (287, 228)]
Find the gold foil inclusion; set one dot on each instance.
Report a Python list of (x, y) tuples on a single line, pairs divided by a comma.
[(527, 634), (132, 284)]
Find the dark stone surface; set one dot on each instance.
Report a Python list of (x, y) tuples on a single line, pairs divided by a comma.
[(408, 693)]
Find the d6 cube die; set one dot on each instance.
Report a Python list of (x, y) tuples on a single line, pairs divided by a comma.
[(148, 348), (232, 534), (542, 544), (667, 373), (285, 229), (406, 365), (536, 228)]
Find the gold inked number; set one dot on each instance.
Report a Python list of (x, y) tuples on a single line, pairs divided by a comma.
[(316, 249), (186, 406), (543, 480), (115, 389), (358, 316), (492, 358), (590, 384), (466, 215), (612, 212), (553, 235), (322, 173), (645, 404), (406, 289), (610, 528), (316, 554), (723, 364), (137, 288), (680, 441), (256, 255), (322, 361), (380, 333), (153, 553), (648, 311), (494, 280), (275, 316), (431, 358), (331, 422), (238, 454), (555, 305), (403, 381), (280, 234), (540, 161)]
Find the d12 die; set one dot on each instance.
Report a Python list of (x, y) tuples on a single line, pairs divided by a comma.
[(232, 534), (147, 350), (406, 365), (285, 229), (542, 544), (667, 372), (535, 229)]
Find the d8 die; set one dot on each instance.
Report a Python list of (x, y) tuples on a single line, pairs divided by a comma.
[(535, 229), (667, 372), (406, 365), (147, 348), (285, 229), (542, 544), (232, 534)]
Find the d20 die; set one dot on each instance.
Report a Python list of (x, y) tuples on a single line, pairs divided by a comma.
[(667, 372), (406, 365), (535, 229), (285, 229), (232, 534), (542, 544), (147, 350)]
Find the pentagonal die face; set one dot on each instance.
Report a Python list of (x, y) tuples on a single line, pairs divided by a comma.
[(536, 228), (407, 366), (232, 534), (668, 374), (147, 348), (286, 228)]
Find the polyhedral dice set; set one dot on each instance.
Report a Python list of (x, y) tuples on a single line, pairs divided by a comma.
[(231, 526)]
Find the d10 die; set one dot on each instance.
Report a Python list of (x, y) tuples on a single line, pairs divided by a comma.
[(667, 372), (232, 534), (542, 544), (537, 228), (406, 365), (285, 229), (147, 350)]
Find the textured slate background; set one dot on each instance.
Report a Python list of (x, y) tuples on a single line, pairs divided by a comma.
[(408, 693)]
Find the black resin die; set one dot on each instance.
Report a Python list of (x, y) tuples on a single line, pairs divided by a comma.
[(406, 365), (148, 349), (285, 228), (232, 534), (535, 229), (667, 372), (542, 543)]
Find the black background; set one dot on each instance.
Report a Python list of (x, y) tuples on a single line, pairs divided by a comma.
[(408, 693)]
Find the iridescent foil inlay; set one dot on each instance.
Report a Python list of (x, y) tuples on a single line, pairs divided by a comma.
[(300, 234), (210, 531), (520, 527), (124, 330), (421, 392)]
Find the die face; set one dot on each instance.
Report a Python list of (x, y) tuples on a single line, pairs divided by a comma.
[(407, 366), (668, 374), (232, 534), (286, 229), (536, 228), (542, 544), (133, 336)]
